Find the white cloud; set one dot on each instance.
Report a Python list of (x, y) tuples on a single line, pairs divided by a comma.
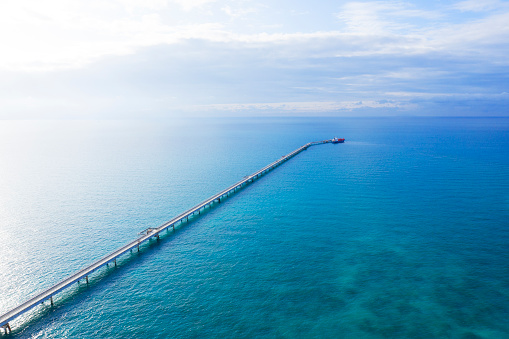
[(238, 12), (188, 5), (479, 6), (456, 96), (380, 17), (53, 34), (132, 5), (389, 28), (486, 38), (213, 54), (314, 106)]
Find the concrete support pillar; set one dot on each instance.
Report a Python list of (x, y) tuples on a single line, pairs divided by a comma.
[(7, 328)]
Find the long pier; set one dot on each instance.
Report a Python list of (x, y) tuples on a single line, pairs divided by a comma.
[(144, 236)]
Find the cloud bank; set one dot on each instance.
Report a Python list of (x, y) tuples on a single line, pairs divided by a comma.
[(159, 58)]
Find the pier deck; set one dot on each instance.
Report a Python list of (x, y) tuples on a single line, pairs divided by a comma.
[(146, 235)]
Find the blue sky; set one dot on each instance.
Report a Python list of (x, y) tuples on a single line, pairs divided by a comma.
[(166, 58)]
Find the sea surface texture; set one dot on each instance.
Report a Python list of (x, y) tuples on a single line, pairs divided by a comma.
[(400, 232)]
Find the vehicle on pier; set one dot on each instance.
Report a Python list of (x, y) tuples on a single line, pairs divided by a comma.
[(338, 141)]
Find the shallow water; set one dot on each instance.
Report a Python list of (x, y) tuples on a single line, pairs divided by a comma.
[(400, 232)]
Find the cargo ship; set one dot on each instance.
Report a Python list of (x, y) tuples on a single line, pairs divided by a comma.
[(337, 140)]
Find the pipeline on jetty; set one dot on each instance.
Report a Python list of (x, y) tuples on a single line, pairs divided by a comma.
[(144, 236)]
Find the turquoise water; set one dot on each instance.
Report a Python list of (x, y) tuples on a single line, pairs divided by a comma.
[(400, 232)]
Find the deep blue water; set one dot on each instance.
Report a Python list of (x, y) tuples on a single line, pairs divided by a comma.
[(400, 232)]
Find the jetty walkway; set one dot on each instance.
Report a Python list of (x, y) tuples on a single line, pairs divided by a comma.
[(144, 236)]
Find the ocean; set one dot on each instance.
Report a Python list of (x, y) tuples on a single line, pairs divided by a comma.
[(400, 232)]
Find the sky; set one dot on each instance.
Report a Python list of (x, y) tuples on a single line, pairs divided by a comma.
[(176, 58)]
